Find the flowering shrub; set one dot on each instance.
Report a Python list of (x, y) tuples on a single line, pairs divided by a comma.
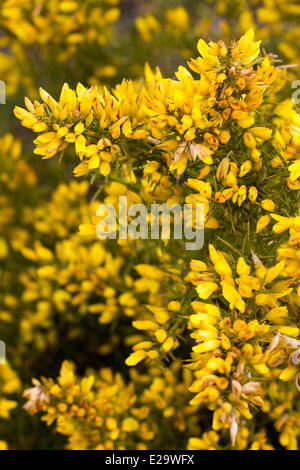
[(139, 343)]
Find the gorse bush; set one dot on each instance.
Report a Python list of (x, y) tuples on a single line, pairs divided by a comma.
[(141, 343)]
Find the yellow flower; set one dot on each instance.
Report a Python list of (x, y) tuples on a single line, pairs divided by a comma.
[(233, 297), (295, 170), (206, 289), (246, 50), (262, 223), (268, 205), (130, 425), (135, 357)]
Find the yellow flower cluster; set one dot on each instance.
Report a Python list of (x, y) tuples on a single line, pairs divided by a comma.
[(240, 348), (10, 385), (101, 412), (65, 23), (211, 338), (56, 30), (214, 139), (184, 121), (276, 20)]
